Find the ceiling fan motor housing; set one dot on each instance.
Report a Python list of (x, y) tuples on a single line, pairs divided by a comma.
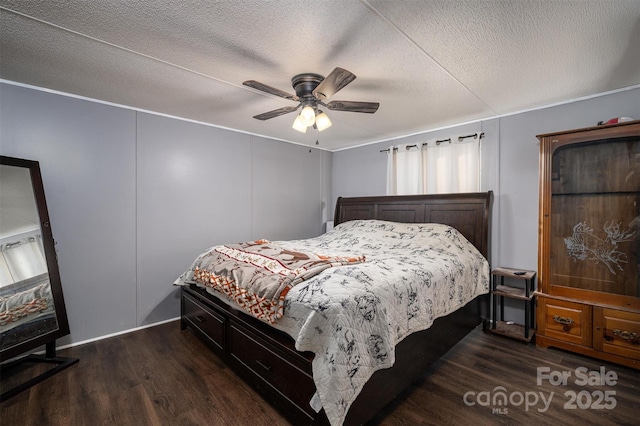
[(305, 84)]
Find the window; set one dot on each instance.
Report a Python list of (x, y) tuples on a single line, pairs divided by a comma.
[(435, 167)]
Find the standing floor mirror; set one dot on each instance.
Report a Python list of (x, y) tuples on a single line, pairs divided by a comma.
[(32, 310)]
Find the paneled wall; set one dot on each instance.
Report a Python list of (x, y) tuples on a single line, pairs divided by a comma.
[(134, 197), (87, 156)]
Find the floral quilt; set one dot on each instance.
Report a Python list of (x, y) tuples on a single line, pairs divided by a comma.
[(353, 316)]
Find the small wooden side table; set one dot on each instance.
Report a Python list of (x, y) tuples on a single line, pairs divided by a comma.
[(500, 290)]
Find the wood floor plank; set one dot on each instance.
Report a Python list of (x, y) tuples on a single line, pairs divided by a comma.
[(162, 375)]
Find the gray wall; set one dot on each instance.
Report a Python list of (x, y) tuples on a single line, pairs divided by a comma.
[(134, 197), (510, 169)]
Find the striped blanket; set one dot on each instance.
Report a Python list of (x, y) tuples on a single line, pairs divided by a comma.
[(259, 274)]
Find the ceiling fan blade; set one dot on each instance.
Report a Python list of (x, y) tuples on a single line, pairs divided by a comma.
[(276, 113), (268, 89), (335, 81), (366, 107)]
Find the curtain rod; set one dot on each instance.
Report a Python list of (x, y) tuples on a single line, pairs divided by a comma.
[(438, 142)]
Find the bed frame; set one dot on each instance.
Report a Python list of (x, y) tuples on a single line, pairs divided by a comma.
[(266, 358)]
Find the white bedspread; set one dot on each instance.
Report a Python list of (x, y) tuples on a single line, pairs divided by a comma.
[(352, 317)]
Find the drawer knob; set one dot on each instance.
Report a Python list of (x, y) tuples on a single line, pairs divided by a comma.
[(200, 318), (567, 323), (628, 336)]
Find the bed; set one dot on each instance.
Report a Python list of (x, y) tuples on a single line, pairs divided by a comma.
[(26, 310), (341, 344)]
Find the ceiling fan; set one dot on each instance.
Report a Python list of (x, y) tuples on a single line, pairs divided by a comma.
[(312, 90)]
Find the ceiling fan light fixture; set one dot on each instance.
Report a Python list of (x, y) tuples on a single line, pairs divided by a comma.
[(322, 121), (311, 90), (299, 125), (308, 115)]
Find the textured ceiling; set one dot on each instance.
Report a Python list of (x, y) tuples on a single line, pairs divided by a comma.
[(430, 64)]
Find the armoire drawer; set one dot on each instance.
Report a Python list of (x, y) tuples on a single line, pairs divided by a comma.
[(617, 332), (206, 320), (567, 321), (270, 368)]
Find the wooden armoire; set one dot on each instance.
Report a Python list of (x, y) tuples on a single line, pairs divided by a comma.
[(588, 298)]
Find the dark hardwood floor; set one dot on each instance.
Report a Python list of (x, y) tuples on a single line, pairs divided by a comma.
[(164, 376)]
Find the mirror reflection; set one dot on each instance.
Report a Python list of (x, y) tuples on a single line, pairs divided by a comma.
[(26, 303)]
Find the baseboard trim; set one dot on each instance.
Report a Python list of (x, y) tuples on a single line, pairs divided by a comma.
[(119, 333)]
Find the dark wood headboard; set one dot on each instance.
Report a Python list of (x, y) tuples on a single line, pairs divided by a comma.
[(469, 213)]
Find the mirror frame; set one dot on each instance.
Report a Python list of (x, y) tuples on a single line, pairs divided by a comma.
[(52, 264)]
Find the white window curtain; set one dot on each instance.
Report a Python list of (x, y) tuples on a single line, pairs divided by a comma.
[(21, 260), (434, 168)]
